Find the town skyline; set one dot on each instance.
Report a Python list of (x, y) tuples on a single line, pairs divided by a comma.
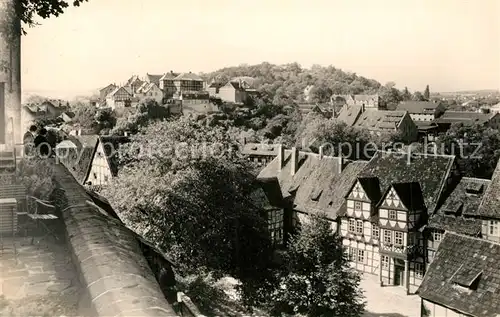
[(450, 45)]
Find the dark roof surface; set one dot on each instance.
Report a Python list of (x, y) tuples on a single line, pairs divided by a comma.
[(489, 206), (318, 186), (420, 107), (410, 194), (430, 171), (349, 114), (374, 119), (465, 117), (465, 276)]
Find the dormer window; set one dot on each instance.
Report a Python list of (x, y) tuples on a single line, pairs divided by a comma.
[(467, 277), (474, 189)]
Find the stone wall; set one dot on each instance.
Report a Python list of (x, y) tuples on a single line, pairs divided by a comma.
[(110, 263)]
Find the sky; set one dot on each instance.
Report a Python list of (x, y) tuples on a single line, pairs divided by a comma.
[(451, 45)]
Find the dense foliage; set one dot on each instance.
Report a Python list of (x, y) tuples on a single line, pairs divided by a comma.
[(37, 176), (317, 279), (133, 119), (191, 193), (476, 147), (30, 9)]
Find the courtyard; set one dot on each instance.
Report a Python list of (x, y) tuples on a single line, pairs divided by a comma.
[(389, 301), (39, 281)]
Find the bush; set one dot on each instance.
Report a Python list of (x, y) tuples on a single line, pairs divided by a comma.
[(37, 176)]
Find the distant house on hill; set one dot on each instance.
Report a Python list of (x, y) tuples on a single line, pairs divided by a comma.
[(104, 92), (422, 110), (167, 84), (368, 101), (150, 91), (119, 98), (133, 83)]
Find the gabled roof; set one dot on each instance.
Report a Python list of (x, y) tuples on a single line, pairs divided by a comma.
[(489, 206), (374, 119), (430, 171), (418, 107), (410, 194), (82, 152), (146, 87), (78, 159), (153, 78), (371, 187), (132, 80), (317, 186), (189, 76), (169, 75), (465, 117), (349, 114), (464, 276), (111, 94), (108, 87), (459, 211), (111, 145)]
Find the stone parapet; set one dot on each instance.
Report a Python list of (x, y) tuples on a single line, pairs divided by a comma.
[(110, 263)]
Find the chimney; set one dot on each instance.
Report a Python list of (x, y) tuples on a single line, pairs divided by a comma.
[(295, 160), (281, 156), (341, 163), (321, 152)]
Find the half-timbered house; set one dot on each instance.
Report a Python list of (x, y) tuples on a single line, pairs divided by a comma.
[(386, 209)]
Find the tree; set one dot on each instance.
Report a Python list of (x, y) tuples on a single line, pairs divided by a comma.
[(148, 111), (417, 96), (316, 279), (476, 147), (406, 95), (183, 181), (29, 9), (427, 93)]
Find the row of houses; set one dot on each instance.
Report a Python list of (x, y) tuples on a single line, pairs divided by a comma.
[(186, 89), (410, 219), (54, 111)]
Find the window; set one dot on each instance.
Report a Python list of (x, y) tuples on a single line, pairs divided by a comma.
[(436, 236), (493, 227), (359, 226), (398, 238), (419, 270), (387, 236), (385, 261), (357, 206), (351, 254), (361, 256), (352, 225), (375, 232), (275, 225), (392, 214)]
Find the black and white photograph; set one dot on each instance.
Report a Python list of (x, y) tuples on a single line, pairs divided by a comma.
[(230, 158)]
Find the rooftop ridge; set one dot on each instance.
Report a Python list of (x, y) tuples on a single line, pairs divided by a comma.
[(461, 235)]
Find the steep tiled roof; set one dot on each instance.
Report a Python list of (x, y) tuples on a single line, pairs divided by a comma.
[(169, 75), (154, 78), (111, 94), (318, 185), (108, 87), (464, 276), (78, 160), (465, 117), (374, 119), (420, 107), (410, 194), (349, 114), (189, 76), (459, 208), (430, 171), (491, 200)]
